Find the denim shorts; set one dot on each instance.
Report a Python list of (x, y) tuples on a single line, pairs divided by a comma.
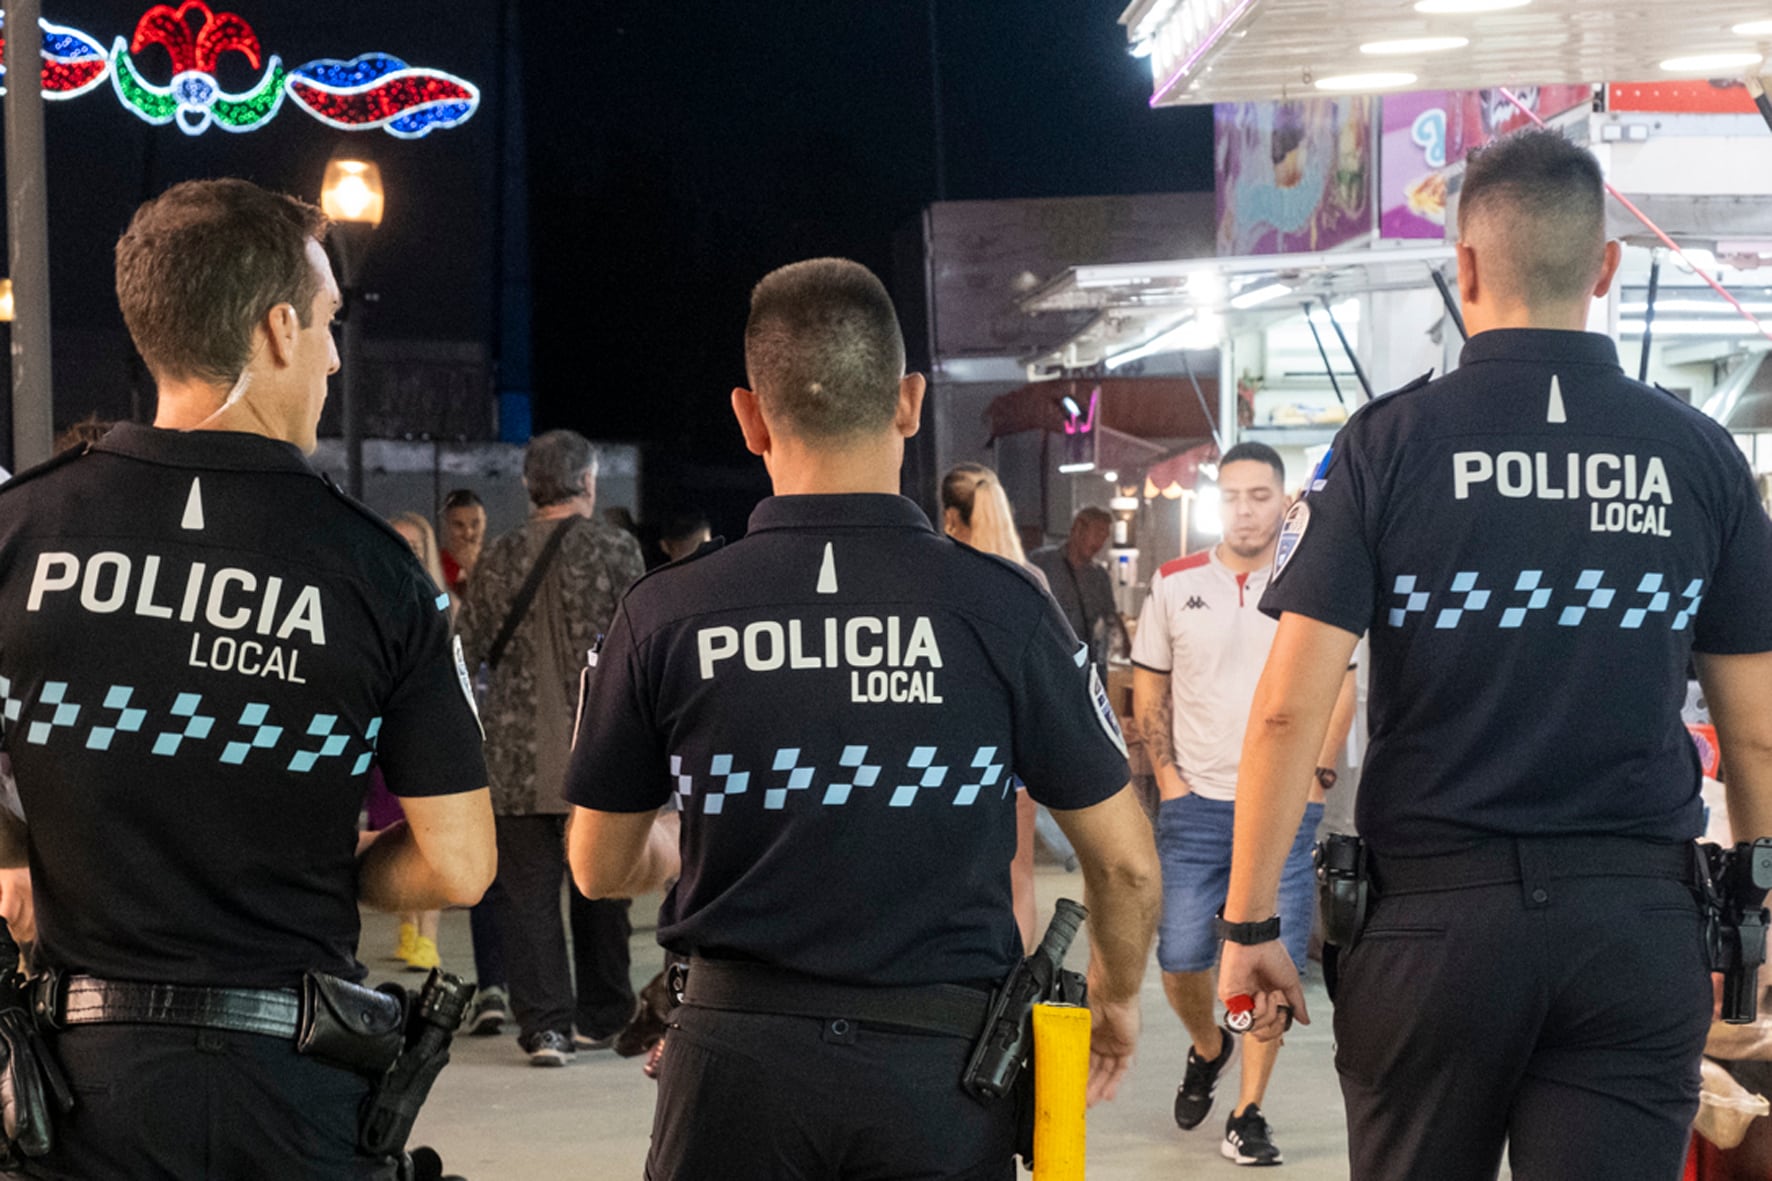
[(1194, 843)]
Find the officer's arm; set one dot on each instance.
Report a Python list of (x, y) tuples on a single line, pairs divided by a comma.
[(443, 854), (1739, 690), (622, 854), (1122, 884), (1294, 700)]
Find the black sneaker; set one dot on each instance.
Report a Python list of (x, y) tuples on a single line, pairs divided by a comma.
[(547, 1048), (1193, 1099), (1248, 1140), (488, 1016)]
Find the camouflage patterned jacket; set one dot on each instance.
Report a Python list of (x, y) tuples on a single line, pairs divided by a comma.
[(595, 566)]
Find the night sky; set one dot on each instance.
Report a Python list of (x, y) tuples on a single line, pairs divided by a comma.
[(695, 147), (676, 153)]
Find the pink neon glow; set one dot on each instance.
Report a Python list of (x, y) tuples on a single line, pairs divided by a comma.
[(1657, 231), (1203, 48), (1073, 427)]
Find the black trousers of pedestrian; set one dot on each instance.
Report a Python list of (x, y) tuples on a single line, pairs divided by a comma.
[(531, 867), (1563, 1017), (765, 1098), (158, 1103)]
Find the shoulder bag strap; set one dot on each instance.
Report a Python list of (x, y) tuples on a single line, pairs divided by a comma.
[(526, 595)]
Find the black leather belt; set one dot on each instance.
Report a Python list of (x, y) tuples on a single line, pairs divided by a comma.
[(951, 1010), (1510, 859), (62, 1001)]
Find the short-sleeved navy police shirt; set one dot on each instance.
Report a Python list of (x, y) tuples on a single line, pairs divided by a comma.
[(1536, 544), (203, 651), (838, 702)]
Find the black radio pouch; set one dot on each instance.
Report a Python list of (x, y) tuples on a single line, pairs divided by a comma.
[(1344, 894), (350, 1026)]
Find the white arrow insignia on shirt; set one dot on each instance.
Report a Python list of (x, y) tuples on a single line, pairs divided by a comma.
[(1556, 413), (194, 505), (827, 574)]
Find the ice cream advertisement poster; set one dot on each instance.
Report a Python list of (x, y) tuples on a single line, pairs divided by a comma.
[(1293, 176), (1412, 159)]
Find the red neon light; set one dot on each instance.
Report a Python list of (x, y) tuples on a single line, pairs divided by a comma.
[(195, 49)]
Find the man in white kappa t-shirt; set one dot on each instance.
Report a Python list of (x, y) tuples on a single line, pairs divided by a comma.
[(1201, 645)]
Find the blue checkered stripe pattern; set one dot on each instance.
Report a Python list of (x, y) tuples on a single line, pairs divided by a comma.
[(118, 719), (1594, 598), (922, 776)]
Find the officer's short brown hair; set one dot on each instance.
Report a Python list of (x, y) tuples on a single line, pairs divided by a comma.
[(823, 349), (1534, 204), (203, 263)]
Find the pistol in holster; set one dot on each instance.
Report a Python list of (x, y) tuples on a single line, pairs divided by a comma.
[(1732, 888), (999, 1061), (1344, 894)]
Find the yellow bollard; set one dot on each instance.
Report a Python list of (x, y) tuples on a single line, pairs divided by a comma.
[(1061, 1082)]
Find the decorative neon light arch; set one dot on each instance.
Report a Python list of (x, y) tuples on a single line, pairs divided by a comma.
[(372, 90)]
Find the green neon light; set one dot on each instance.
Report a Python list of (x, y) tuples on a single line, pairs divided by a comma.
[(243, 114), (150, 102)]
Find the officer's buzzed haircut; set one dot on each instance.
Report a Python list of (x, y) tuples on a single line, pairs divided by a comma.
[(1534, 206), (823, 349), (202, 264), (554, 466), (1256, 453)]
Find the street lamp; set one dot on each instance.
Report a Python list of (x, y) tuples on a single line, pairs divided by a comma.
[(351, 195), (5, 301)]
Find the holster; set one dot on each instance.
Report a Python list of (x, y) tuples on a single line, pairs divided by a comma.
[(1344, 895), (350, 1026)]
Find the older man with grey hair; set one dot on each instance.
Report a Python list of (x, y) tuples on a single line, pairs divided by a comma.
[(538, 600)]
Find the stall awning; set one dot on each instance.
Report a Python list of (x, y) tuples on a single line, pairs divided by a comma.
[(1145, 407), (1215, 51)]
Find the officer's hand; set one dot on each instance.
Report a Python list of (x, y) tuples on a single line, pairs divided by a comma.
[(1112, 1037), (1265, 972), (17, 905)]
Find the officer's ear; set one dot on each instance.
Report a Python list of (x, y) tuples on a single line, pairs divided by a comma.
[(282, 328), (911, 388), (1609, 270), (748, 409), (1467, 274)]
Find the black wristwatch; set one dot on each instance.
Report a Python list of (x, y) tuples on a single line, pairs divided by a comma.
[(1327, 777), (1247, 934)]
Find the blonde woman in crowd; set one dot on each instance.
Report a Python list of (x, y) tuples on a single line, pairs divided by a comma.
[(975, 511), (418, 929)]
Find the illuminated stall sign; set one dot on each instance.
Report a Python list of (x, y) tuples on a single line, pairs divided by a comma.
[(373, 90)]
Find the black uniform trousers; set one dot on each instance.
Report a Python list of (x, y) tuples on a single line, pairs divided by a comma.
[(1561, 1016), (163, 1103), (768, 1098), (531, 866)]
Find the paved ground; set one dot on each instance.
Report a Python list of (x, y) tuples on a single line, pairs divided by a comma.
[(495, 1118)]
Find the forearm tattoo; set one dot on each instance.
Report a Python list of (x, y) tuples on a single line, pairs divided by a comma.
[(1156, 724)]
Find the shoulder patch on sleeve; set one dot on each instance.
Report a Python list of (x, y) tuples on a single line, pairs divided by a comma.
[(1298, 519), (1104, 708)]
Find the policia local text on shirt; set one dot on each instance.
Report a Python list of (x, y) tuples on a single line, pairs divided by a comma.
[(1532, 970), (842, 848), (203, 649)]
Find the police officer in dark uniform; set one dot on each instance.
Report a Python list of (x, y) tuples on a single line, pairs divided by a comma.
[(1536, 545), (204, 649), (837, 704)]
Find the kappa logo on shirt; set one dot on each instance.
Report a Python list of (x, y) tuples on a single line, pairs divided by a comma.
[(1196, 604)]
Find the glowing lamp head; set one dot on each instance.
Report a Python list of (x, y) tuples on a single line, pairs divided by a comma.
[(5, 301), (352, 192)]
